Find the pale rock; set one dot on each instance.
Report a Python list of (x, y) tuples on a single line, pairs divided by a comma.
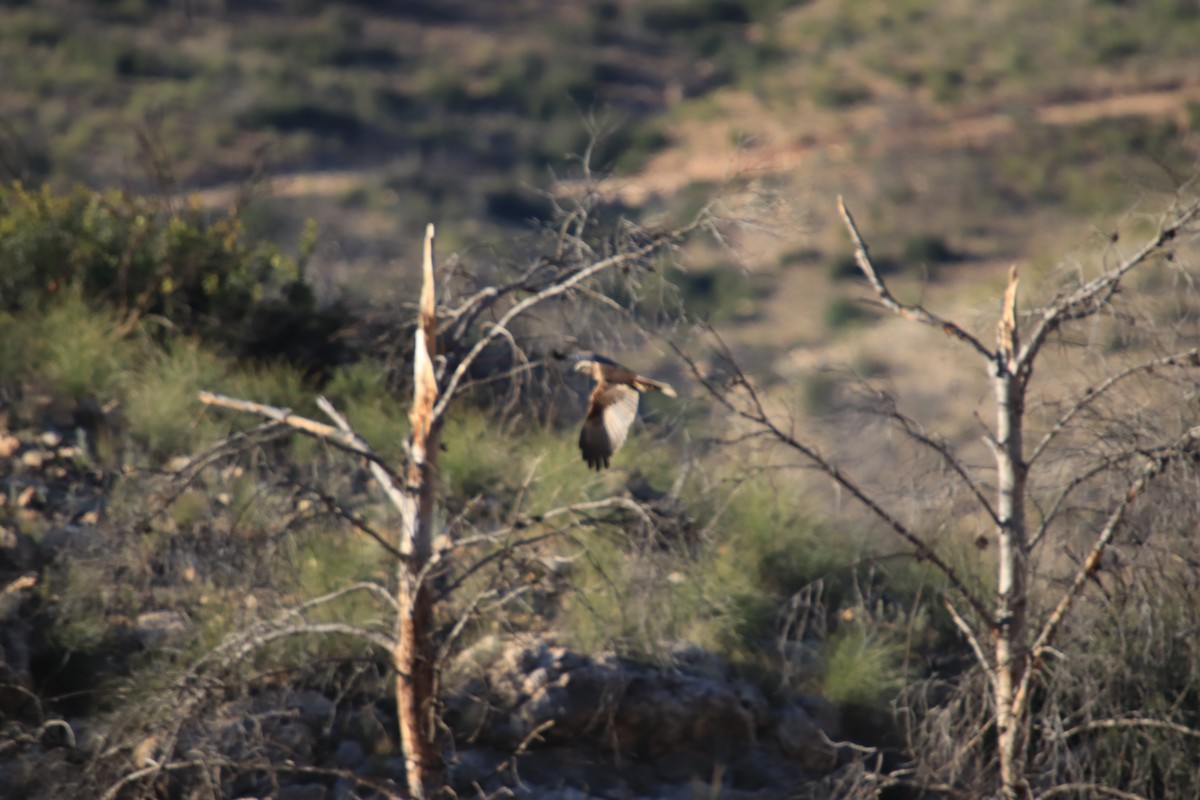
[(154, 628), (36, 459)]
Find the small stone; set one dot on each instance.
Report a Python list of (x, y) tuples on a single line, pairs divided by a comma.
[(35, 459), (50, 439), (178, 463), (27, 497), (155, 627), (9, 444)]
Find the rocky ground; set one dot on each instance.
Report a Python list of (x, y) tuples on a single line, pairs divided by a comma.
[(527, 718)]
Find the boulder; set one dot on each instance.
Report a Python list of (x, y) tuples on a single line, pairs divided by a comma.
[(533, 693)]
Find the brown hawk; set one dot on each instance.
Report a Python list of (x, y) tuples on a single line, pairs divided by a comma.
[(612, 406)]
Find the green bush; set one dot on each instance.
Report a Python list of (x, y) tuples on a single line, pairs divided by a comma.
[(160, 407), (844, 312), (834, 90), (76, 352), (759, 550), (141, 262), (862, 668), (927, 248)]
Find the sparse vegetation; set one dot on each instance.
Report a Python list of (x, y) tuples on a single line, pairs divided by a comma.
[(144, 539)]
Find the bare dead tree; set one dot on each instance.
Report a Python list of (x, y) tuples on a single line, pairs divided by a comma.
[(1010, 645), (449, 340)]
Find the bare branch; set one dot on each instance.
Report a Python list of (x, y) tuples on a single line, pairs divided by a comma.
[(757, 415), (1089, 790), (1187, 358), (1008, 342), (396, 491), (914, 313), (341, 439), (1129, 722), (917, 434), (1153, 468), (559, 286), (1092, 296), (359, 524), (1100, 468), (425, 389), (973, 640)]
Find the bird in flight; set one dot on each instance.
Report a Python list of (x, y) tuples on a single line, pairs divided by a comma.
[(612, 406)]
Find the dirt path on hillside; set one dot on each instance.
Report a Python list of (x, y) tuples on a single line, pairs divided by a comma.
[(704, 152)]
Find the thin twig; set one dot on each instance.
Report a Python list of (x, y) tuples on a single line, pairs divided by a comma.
[(973, 640), (559, 286), (1188, 358), (758, 415), (1129, 722), (1153, 468), (1089, 790), (1089, 298), (911, 312)]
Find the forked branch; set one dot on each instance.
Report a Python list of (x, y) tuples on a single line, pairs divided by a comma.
[(915, 313), (1187, 358), (1091, 297), (562, 284)]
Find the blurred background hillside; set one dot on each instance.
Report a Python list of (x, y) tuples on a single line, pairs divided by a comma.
[(968, 130)]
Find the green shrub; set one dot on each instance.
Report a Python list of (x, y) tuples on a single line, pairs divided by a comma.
[(862, 668), (719, 294), (844, 312), (760, 549), (128, 255), (161, 409), (834, 90), (80, 352), (927, 248)]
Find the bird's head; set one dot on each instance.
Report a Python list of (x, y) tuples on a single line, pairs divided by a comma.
[(584, 365), (589, 363)]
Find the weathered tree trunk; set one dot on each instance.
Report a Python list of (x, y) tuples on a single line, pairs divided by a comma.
[(413, 657), (1012, 585)]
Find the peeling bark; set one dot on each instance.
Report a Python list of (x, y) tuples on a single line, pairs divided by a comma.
[(415, 652)]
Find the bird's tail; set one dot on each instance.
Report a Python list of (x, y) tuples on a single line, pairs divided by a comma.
[(647, 385)]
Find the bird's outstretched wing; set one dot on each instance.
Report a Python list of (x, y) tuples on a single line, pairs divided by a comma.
[(611, 411)]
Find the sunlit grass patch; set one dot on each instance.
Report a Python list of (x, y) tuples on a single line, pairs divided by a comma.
[(758, 549), (79, 351), (161, 407), (862, 667)]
